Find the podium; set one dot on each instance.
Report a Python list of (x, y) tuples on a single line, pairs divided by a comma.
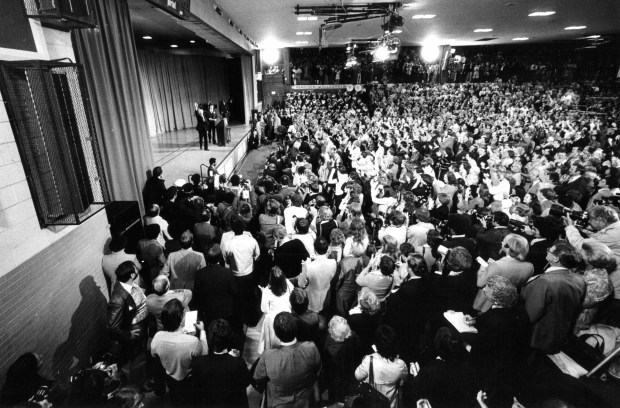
[(220, 131)]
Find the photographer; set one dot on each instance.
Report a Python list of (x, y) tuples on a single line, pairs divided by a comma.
[(491, 241), (604, 221)]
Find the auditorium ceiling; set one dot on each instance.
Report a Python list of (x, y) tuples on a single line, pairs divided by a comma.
[(455, 20)]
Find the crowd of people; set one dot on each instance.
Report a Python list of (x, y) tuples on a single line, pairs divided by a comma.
[(381, 217), (465, 64)]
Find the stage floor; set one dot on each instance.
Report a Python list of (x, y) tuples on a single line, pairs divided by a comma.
[(179, 156)]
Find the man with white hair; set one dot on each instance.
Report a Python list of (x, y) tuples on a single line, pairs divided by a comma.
[(161, 294)]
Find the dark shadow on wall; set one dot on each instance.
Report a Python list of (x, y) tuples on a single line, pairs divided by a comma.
[(88, 333)]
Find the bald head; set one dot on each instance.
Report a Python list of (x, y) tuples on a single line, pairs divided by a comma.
[(161, 284)]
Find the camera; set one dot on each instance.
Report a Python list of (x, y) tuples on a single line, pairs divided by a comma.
[(580, 217), (613, 200)]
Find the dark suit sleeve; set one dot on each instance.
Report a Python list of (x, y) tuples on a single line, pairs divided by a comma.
[(116, 314), (232, 285)]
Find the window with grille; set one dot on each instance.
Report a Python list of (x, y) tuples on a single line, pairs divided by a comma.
[(48, 106), (63, 14)]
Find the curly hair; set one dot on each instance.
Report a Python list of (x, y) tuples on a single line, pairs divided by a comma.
[(368, 301), (501, 291), (339, 329), (357, 230), (336, 237)]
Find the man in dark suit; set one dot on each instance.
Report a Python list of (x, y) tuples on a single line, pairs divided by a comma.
[(201, 125), (553, 299), (460, 226), (490, 241), (291, 369), (220, 378), (211, 117), (214, 289), (127, 320), (154, 189)]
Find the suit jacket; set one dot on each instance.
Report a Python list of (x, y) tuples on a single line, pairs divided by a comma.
[(220, 380), (154, 190), (215, 289), (346, 288), (200, 122), (181, 268), (515, 271), (315, 279), (552, 302), (490, 242), (210, 115), (121, 312), (292, 371)]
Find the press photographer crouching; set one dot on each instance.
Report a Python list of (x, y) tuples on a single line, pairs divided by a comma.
[(605, 223)]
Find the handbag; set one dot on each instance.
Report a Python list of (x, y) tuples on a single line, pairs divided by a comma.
[(585, 354), (367, 395)]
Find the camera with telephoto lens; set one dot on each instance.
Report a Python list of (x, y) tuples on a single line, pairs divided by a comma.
[(518, 227), (613, 200), (580, 217)]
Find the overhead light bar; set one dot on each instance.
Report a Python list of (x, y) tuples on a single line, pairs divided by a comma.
[(301, 42), (303, 33), (423, 16), (483, 30), (575, 27), (541, 13), (173, 46), (520, 38), (147, 37), (313, 18), (592, 37), (397, 31), (307, 18)]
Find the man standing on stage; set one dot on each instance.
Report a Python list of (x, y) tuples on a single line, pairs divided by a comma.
[(201, 126), (211, 120)]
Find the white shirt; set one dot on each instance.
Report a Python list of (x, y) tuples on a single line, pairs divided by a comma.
[(416, 234), (240, 252), (398, 233)]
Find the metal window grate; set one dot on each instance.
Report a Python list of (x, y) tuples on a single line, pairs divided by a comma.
[(64, 14), (50, 113)]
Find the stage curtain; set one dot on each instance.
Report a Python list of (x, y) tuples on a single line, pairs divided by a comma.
[(172, 83), (248, 86), (110, 62)]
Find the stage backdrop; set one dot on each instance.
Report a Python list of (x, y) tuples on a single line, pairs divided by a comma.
[(172, 83)]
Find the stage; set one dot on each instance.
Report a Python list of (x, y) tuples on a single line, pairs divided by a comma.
[(179, 156)]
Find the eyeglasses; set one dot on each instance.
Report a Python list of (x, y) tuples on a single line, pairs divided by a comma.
[(550, 252)]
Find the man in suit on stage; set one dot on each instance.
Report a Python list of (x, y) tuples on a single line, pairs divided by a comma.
[(211, 117), (201, 125)]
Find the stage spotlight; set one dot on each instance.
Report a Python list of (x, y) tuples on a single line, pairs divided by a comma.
[(270, 55), (381, 53), (429, 53)]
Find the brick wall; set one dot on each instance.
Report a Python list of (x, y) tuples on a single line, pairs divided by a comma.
[(52, 290), (55, 302)]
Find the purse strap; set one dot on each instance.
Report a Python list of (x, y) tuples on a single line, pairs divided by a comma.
[(371, 378)]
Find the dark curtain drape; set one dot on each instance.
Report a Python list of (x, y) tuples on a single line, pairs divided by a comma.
[(248, 85), (108, 54), (172, 83)]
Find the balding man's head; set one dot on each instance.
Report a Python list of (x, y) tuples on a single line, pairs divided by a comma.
[(161, 284)]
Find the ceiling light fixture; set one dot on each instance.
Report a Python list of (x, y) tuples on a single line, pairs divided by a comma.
[(592, 37), (575, 27), (423, 16), (301, 42), (302, 18), (147, 37), (397, 31), (483, 30), (192, 41), (313, 18), (541, 13), (430, 53), (520, 38), (173, 46), (303, 33)]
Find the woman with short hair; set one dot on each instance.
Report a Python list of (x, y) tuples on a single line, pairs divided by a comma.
[(600, 262), (512, 266), (365, 317), (388, 371), (341, 354)]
